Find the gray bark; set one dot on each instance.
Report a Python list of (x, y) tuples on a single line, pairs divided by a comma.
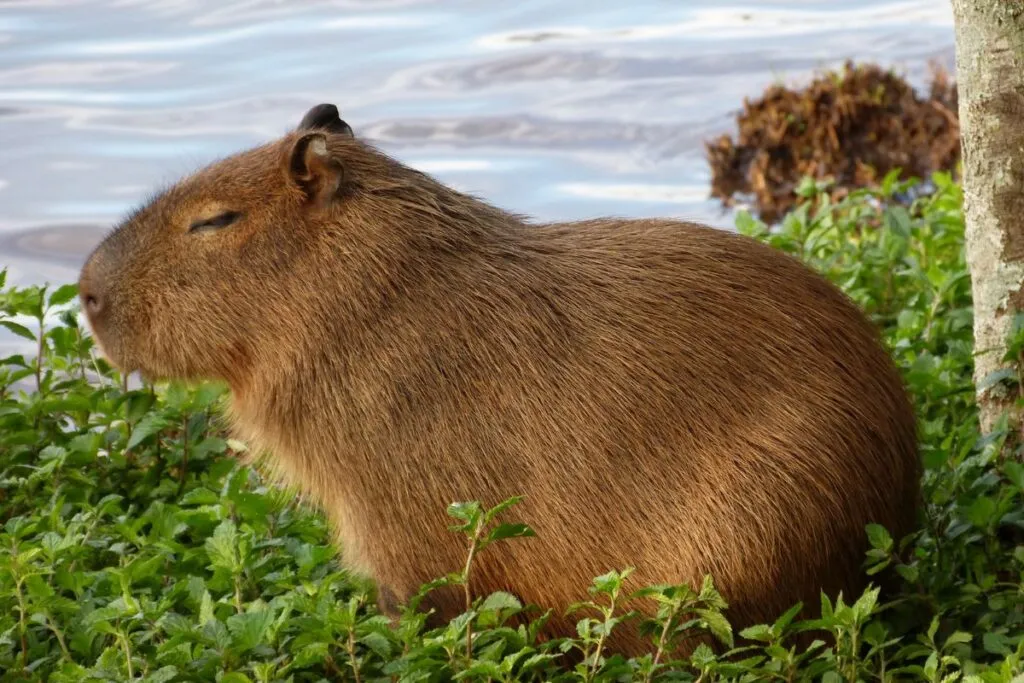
[(990, 84)]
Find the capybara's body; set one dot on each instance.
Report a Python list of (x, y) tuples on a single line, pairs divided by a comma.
[(667, 396)]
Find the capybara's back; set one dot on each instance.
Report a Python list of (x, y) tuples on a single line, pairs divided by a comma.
[(667, 396)]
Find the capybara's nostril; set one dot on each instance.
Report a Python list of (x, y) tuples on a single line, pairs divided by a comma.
[(90, 292), (93, 304)]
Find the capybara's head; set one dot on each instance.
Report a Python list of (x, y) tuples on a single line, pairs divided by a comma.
[(188, 284)]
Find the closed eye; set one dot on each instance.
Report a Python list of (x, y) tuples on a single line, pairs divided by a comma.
[(220, 221)]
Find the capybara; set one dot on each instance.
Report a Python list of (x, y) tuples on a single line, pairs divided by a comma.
[(667, 396)]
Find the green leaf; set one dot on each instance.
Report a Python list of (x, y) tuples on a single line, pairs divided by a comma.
[(888, 184), (996, 643), (934, 458), (466, 512), (314, 653), (807, 187), (19, 330), (235, 677), (958, 637), (909, 572), (1014, 471), (146, 427), (52, 452), (501, 507), (251, 506), (865, 605), (505, 531), (63, 294), (205, 395), (163, 675), (535, 662), (249, 629), (761, 632), (879, 537), (141, 569), (376, 642), (501, 601), (38, 588), (608, 583), (222, 546), (200, 496), (827, 612), (718, 625), (480, 669), (702, 657), (981, 511), (746, 224), (787, 617), (898, 220)]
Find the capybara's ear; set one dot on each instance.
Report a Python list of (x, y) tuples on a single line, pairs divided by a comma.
[(311, 167), (325, 117)]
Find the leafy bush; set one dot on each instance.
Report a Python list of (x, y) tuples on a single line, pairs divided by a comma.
[(135, 546)]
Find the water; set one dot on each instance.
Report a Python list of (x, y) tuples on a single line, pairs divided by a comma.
[(558, 109)]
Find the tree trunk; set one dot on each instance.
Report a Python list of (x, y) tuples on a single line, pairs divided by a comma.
[(990, 84)]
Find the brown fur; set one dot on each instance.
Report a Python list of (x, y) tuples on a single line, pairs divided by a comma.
[(668, 396)]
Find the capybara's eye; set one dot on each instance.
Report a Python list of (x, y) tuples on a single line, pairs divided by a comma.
[(219, 221)]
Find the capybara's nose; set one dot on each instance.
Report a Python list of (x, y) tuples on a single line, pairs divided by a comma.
[(91, 293), (93, 303)]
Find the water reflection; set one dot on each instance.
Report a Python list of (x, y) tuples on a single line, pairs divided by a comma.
[(558, 109)]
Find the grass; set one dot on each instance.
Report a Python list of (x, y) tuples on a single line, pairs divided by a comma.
[(135, 547)]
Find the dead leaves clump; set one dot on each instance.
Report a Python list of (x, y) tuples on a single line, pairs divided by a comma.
[(852, 127)]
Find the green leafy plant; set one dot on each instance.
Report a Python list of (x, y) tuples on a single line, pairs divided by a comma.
[(135, 546)]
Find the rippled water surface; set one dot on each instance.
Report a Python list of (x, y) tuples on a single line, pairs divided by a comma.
[(555, 108)]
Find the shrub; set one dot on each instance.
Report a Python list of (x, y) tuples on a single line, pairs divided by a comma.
[(135, 545)]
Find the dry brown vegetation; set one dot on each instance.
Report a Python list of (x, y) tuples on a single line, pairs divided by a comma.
[(851, 126)]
